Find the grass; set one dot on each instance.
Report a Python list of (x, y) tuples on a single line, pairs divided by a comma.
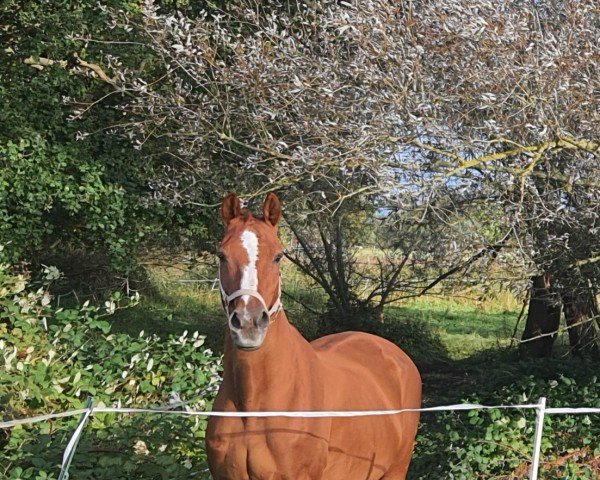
[(175, 308), (449, 338), (174, 305), (463, 328)]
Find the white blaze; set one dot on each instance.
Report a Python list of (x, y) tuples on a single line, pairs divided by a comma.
[(249, 274)]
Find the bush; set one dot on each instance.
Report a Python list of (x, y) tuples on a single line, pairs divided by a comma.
[(499, 443), (418, 340), (76, 357), (65, 182)]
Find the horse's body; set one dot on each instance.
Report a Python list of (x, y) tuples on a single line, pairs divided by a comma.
[(347, 371)]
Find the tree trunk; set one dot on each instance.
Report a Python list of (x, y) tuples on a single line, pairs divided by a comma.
[(581, 315), (543, 319)]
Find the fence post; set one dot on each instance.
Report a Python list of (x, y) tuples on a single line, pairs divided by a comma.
[(72, 445), (537, 446)]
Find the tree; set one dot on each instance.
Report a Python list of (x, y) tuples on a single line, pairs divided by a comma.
[(543, 319), (507, 113), (65, 185), (245, 101), (443, 107)]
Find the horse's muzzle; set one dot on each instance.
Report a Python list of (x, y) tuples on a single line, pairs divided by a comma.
[(248, 329)]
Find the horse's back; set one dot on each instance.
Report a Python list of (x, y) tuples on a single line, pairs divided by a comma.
[(366, 372)]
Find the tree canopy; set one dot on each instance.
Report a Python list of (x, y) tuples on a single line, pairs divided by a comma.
[(473, 123)]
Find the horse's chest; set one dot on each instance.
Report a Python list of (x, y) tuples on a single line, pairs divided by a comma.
[(273, 449)]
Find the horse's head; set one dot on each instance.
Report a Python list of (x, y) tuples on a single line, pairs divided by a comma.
[(249, 255)]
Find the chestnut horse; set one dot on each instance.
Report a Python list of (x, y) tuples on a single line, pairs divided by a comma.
[(269, 366)]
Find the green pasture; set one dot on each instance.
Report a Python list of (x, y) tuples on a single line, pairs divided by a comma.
[(175, 303), (462, 329)]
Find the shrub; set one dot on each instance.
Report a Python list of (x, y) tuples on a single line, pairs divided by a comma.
[(418, 340), (76, 357), (65, 182), (499, 443)]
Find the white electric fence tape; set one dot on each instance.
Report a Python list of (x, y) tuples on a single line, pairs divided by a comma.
[(302, 414), (41, 418), (90, 409), (317, 414), (582, 410)]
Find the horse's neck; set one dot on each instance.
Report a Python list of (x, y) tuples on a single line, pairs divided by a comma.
[(270, 377)]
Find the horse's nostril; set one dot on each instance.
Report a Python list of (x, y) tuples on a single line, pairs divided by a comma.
[(264, 320), (235, 322)]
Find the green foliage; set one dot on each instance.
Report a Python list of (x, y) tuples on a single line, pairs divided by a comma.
[(81, 355), (66, 183), (78, 357), (499, 443), (55, 190), (41, 187)]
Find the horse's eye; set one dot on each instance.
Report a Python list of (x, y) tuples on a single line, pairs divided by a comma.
[(221, 256), (278, 257)]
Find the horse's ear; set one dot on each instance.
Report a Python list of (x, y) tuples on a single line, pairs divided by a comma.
[(272, 209), (230, 208)]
